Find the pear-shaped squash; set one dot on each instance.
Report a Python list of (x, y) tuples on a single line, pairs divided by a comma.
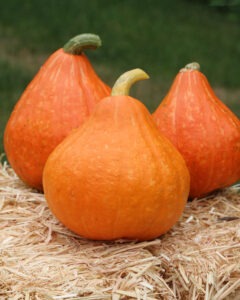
[(203, 129), (117, 176), (59, 98)]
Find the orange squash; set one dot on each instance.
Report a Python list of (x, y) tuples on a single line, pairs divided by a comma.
[(59, 98), (203, 129), (117, 176)]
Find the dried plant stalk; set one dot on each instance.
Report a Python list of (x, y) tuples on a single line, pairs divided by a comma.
[(40, 259)]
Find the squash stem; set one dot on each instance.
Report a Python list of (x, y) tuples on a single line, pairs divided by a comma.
[(126, 80), (192, 66), (77, 44)]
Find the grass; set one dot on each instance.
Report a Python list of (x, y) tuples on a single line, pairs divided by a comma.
[(158, 36)]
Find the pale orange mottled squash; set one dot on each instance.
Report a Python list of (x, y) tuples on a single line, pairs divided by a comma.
[(203, 129), (59, 98)]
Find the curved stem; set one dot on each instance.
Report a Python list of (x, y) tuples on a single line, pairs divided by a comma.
[(81, 42), (126, 80), (192, 66)]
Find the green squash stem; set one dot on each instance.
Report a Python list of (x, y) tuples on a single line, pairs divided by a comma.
[(77, 44)]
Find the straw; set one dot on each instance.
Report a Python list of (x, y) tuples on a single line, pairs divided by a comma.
[(199, 258)]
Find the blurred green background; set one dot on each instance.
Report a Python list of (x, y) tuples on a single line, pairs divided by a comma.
[(157, 36)]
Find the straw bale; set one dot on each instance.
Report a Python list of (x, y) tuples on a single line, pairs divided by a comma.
[(40, 259)]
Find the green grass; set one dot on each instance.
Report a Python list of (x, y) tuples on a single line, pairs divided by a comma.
[(157, 36)]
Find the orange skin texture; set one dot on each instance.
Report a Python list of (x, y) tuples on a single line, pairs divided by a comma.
[(203, 129), (117, 176), (59, 98)]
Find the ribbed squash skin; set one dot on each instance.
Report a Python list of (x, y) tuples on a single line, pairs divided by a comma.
[(58, 99), (203, 129), (116, 176)]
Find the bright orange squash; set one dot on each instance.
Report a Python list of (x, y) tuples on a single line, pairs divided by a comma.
[(59, 98), (203, 129), (117, 176)]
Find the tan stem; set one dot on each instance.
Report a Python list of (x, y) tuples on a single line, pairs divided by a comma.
[(126, 80), (192, 66)]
